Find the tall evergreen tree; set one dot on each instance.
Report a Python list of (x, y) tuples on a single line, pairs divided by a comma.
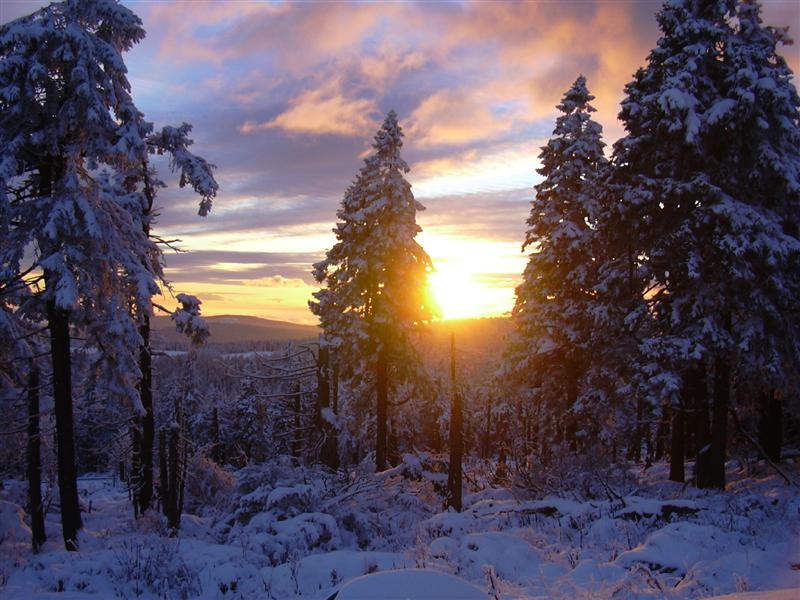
[(73, 147), (373, 298), (696, 179), (553, 305), (67, 116), (196, 172), (758, 131)]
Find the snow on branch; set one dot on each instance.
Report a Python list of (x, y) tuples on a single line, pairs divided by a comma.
[(188, 320), (194, 170)]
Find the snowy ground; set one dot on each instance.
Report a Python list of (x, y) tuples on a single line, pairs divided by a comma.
[(285, 533)]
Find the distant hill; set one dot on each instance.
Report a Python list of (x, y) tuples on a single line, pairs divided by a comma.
[(482, 340), (236, 328)]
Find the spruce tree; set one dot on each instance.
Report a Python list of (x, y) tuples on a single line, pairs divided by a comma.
[(705, 180), (73, 178), (758, 131), (373, 299), (67, 123), (196, 172), (553, 305)]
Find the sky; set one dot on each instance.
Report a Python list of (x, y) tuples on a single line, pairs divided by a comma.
[(285, 98)]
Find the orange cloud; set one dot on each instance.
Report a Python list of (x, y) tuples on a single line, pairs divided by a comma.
[(324, 110), (279, 281), (389, 63), (452, 117), (177, 40), (300, 35)]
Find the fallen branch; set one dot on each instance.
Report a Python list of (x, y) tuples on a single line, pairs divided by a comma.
[(611, 493)]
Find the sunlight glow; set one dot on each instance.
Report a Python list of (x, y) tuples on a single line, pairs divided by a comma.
[(458, 295)]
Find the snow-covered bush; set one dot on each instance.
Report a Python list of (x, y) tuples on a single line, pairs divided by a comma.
[(589, 476), (153, 565), (208, 486), (12, 524)]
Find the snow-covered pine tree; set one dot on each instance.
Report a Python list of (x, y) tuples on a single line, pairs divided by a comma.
[(19, 351), (72, 148), (710, 151), (757, 127), (660, 181), (552, 312), (195, 171), (66, 117), (188, 322), (374, 277)]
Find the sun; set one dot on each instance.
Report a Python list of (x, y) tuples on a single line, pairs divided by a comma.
[(457, 293)]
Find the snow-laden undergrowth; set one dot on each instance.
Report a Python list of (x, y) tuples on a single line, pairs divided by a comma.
[(280, 532)]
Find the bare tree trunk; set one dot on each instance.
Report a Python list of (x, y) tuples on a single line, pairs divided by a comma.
[(382, 387), (501, 473), (719, 421), (526, 427), (329, 453), (454, 483), (173, 484), (183, 458), (136, 466), (163, 471), (770, 424), (688, 426), (648, 446), (698, 393), (662, 433), (297, 441), (216, 450), (570, 419), (635, 448), (58, 323), (34, 462), (335, 383), (173, 498), (486, 451), (677, 446), (392, 446), (145, 488)]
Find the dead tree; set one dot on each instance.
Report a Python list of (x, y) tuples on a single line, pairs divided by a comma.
[(34, 461), (329, 453), (297, 432), (454, 482), (382, 412)]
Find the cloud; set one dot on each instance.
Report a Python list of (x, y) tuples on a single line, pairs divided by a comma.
[(285, 98), (252, 268), (294, 35), (457, 117), (493, 216), (324, 110), (279, 281), (505, 166)]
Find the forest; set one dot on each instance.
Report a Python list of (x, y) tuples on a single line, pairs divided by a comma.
[(630, 430)]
